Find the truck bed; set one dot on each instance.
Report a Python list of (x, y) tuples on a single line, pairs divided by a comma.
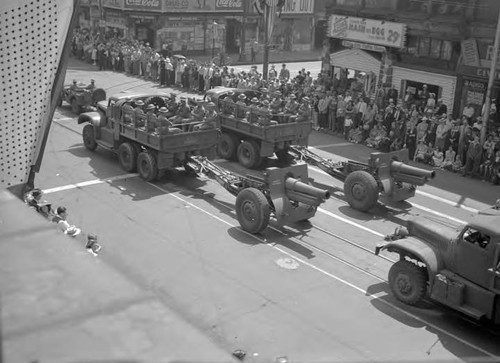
[(173, 143), (273, 133)]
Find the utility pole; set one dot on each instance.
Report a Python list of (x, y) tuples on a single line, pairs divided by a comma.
[(265, 61), (246, 12), (491, 80)]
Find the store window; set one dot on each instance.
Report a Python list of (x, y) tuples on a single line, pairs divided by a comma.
[(431, 47)]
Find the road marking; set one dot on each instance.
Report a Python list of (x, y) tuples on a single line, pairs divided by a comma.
[(88, 183), (357, 225), (326, 273), (459, 221), (446, 201), (63, 119)]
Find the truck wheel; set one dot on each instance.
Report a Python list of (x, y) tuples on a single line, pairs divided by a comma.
[(227, 147), (249, 154), (252, 210), (146, 166), (75, 107), (89, 137), (127, 156), (407, 282), (98, 95), (361, 190)]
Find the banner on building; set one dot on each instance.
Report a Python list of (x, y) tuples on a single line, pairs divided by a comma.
[(296, 7), (371, 31), (470, 53)]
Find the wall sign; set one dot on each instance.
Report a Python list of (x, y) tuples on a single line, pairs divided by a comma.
[(143, 4), (384, 33), (202, 6), (364, 46), (470, 53), (298, 7)]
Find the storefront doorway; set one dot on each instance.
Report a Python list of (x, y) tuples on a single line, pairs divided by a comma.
[(144, 32), (413, 91)]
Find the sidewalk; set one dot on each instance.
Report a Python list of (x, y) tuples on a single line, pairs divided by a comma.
[(59, 303)]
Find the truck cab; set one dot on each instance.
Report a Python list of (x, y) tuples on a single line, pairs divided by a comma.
[(459, 268)]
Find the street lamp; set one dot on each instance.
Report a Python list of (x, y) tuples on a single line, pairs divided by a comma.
[(214, 32)]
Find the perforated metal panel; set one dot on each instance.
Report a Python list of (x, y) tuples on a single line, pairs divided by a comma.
[(32, 36)]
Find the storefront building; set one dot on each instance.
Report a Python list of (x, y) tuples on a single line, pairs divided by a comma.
[(293, 28), (473, 74), (359, 50), (189, 26)]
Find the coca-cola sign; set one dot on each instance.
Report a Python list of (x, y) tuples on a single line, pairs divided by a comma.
[(143, 4), (228, 4)]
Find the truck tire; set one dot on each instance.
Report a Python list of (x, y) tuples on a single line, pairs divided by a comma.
[(227, 147), (127, 156), (98, 95), (252, 210), (146, 166), (75, 107), (408, 282), (155, 100), (88, 136), (361, 190), (249, 154)]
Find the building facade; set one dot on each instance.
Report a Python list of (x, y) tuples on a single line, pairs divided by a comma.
[(188, 26), (403, 45)]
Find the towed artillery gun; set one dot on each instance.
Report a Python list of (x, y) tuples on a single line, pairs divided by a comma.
[(457, 267), (385, 174), (282, 192)]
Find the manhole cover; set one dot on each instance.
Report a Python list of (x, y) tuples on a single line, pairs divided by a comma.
[(288, 263)]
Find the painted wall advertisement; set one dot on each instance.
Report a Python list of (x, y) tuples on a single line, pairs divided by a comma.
[(386, 33), (143, 5)]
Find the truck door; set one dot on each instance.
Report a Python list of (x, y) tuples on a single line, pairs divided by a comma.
[(495, 271), (475, 256)]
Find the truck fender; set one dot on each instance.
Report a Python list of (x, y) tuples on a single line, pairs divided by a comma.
[(415, 248), (91, 117)]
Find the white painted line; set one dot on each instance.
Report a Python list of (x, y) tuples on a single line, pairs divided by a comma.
[(332, 276), (88, 183), (64, 119), (459, 221), (357, 225), (446, 201)]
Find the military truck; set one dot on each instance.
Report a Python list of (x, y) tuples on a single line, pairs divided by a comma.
[(139, 148), (250, 142), (457, 267)]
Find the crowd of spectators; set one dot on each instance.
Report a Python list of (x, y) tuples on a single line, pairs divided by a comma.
[(423, 124)]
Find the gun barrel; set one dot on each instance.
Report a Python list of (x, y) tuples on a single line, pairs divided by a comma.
[(294, 185), (398, 167)]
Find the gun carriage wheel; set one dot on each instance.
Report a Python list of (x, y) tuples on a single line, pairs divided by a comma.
[(252, 209), (361, 190)]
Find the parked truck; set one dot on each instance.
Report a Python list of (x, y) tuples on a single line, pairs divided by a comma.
[(139, 149), (457, 267)]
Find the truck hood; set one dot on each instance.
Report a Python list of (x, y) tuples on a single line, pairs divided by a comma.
[(436, 234)]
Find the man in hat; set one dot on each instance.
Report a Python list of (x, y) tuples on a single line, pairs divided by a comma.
[(284, 73), (241, 106), (169, 68), (183, 114), (151, 119), (163, 123), (228, 104), (304, 111), (273, 73), (276, 105), (198, 114), (140, 116), (128, 114), (253, 114), (172, 105), (291, 106), (34, 199), (74, 86), (210, 120), (265, 115), (473, 157), (91, 86)]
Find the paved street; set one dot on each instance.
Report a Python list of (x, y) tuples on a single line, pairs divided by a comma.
[(312, 293)]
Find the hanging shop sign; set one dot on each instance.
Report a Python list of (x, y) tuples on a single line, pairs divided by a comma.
[(371, 31), (470, 53), (147, 5), (364, 46)]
